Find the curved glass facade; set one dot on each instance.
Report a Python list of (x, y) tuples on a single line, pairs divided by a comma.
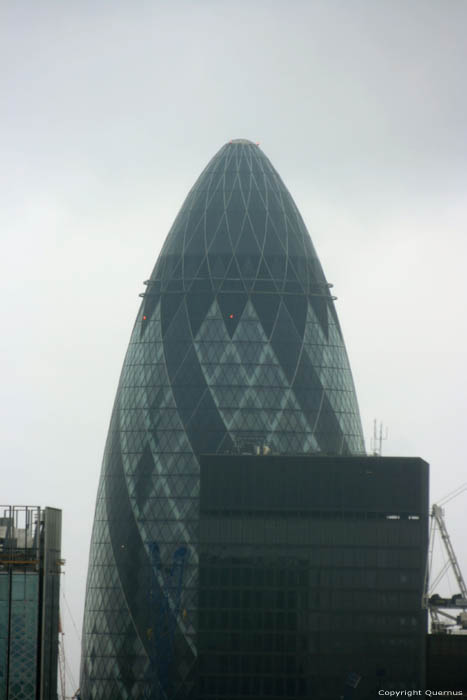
[(236, 348)]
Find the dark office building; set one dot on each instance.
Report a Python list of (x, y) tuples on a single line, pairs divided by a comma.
[(311, 576), (446, 662), (30, 544)]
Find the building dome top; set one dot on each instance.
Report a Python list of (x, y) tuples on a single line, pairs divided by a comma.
[(240, 222), (245, 142)]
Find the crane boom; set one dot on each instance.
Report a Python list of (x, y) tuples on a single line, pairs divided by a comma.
[(438, 514)]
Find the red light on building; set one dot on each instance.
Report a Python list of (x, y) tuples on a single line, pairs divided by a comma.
[(145, 318), (231, 316)]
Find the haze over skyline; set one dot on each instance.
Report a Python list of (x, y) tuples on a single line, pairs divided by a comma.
[(110, 114)]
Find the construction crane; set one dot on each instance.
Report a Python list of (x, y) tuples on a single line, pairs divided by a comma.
[(441, 620)]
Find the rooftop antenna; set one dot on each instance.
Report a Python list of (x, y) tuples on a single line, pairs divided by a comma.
[(378, 437)]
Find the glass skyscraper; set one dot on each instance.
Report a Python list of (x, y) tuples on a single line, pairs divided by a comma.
[(236, 349), (30, 561)]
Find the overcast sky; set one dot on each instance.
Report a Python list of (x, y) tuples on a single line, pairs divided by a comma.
[(110, 110)]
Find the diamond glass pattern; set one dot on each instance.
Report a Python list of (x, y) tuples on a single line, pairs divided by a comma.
[(236, 347)]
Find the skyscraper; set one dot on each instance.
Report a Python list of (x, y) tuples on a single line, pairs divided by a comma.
[(311, 576), (236, 349), (30, 561)]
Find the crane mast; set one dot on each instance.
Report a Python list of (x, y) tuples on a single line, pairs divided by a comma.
[(436, 604), (438, 514)]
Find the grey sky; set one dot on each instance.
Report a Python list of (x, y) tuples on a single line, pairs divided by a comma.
[(110, 110)]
